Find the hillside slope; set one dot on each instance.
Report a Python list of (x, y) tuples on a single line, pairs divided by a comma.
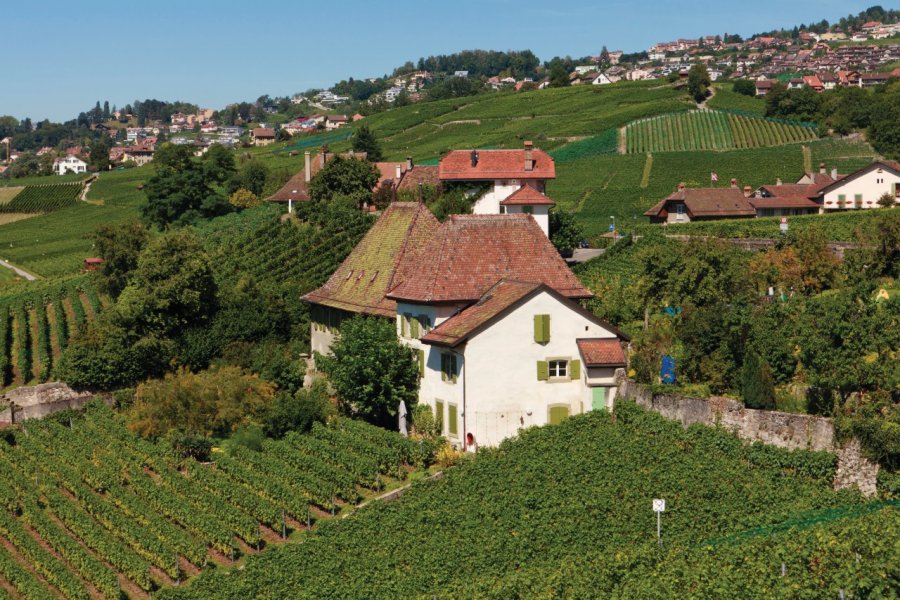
[(562, 511)]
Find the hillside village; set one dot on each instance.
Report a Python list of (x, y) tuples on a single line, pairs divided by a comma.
[(622, 325)]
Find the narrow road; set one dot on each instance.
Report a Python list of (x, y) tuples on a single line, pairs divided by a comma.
[(87, 187), (23, 274)]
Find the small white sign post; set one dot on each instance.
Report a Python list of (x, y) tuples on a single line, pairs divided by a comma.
[(659, 507), (784, 225)]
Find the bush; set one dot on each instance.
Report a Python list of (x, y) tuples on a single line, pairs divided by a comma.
[(424, 422), (757, 385), (745, 87), (191, 446), (249, 436), (299, 411)]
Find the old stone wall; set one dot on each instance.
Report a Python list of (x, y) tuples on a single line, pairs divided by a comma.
[(785, 430), (41, 400)]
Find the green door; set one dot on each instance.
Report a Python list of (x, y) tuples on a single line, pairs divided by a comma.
[(598, 398), (557, 414)]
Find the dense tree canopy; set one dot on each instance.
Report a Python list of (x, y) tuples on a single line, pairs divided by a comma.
[(119, 246), (346, 177)]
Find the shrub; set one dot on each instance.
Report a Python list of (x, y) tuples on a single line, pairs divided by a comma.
[(299, 411), (757, 385)]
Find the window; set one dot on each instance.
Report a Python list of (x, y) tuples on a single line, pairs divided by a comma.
[(558, 368), (448, 367), (528, 209), (842, 198), (424, 324), (541, 329), (857, 197)]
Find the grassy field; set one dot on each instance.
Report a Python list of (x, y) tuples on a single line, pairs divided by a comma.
[(56, 243), (550, 118), (726, 99), (44, 180), (8, 193), (712, 130)]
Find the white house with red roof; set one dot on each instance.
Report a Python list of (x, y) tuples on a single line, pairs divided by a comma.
[(492, 312), (507, 172), (863, 188)]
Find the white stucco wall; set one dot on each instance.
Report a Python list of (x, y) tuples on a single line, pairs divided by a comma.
[(541, 214), (499, 381), (489, 203), (869, 186)]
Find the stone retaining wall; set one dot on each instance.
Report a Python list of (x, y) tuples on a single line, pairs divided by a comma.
[(41, 400), (785, 430)]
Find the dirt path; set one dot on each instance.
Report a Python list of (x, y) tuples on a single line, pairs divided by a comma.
[(648, 168), (623, 141), (87, 187), (19, 271), (807, 159), (712, 94)]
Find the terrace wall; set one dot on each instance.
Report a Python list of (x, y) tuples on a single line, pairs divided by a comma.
[(38, 401), (785, 430)]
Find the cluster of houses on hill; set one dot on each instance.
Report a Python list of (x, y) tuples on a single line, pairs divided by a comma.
[(490, 309), (813, 193), (819, 82)]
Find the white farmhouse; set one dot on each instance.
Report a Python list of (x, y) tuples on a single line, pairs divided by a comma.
[(69, 164), (506, 172), (863, 188), (492, 312)]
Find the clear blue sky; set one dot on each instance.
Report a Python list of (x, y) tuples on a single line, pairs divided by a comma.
[(63, 56)]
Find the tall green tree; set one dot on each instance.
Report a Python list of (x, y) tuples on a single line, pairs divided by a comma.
[(565, 232), (698, 82), (757, 385), (347, 177), (559, 77), (119, 246), (100, 155), (364, 141), (371, 370)]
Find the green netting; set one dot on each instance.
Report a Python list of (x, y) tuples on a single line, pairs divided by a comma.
[(604, 143), (805, 521), (319, 140)]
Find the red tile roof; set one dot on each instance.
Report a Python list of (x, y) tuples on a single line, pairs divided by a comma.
[(388, 172), (263, 132), (783, 202), (708, 202), (378, 262), (526, 195), (597, 352), (496, 300), (495, 164), (424, 174), (471, 253)]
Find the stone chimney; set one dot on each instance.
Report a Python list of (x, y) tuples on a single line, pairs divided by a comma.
[(734, 182), (409, 164), (307, 166), (681, 186), (748, 191), (822, 168), (778, 181), (529, 162), (398, 173), (834, 173)]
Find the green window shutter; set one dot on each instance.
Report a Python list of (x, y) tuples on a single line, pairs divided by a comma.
[(451, 419), (453, 367), (541, 329), (424, 325), (894, 189), (421, 363), (439, 415), (841, 197), (543, 370), (404, 325), (445, 366), (557, 414), (574, 369), (413, 328)]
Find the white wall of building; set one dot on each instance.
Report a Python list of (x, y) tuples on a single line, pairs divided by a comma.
[(863, 191), (497, 389), (541, 214)]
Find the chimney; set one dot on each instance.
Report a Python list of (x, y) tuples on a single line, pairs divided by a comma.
[(681, 186), (398, 173), (834, 173), (733, 182), (747, 191), (409, 164), (307, 166), (421, 192), (529, 163), (778, 181), (474, 158), (822, 168)]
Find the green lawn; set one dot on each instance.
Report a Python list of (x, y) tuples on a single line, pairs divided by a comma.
[(727, 99), (43, 180)]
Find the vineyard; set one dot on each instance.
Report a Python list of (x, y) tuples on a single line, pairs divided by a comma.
[(90, 510), (301, 254), (565, 511), (36, 324), (712, 130), (43, 198)]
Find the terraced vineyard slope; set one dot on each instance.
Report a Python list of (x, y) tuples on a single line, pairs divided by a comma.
[(36, 322), (565, 511), (712, 130), (43, 198), (91, 511)]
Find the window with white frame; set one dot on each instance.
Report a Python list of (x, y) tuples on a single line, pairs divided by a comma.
[(559, 368)]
